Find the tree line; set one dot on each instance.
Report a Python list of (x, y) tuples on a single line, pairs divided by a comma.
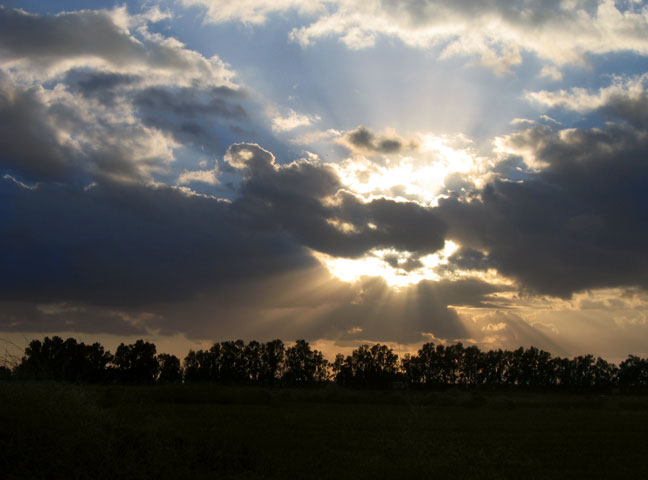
[(375, 366)]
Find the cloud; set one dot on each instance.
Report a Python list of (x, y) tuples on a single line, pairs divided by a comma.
[(291, 121), (364, 140), (32, 317), (201, 117), (252, 11), (497, 32), (509, 330), (41, 47), (626, 98), (129, 259), (308, 303), (31, 144), (420, 168), (209, 177), (306, 198), (117, 245), (99, 113), (55, 136), (93, 95), (578, 222)]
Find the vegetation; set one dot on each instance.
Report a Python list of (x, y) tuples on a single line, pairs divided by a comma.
[(377, 366), (237, 410), (206, 431)]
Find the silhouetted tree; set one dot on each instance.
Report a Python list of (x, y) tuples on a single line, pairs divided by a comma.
[(495, 365), (341, 370), (198, 366), (232, 361), (304, 365), (451, 362), (69, 360), (605, 375), (426, 367), (272, 359), (532, 368), (170, 370), (253, 360), (470, 365), (633, 373), (375, 366), (136, 363), (96, 362)]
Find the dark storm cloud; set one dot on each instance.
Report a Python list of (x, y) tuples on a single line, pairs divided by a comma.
[(29, 317), (469, 259), (126, 245), (134, 257), (579, 223), (304, 198), (192, 115), (364, 139), (408, 265), (191, 102), (624, 107), (103, 86), (113, 244)]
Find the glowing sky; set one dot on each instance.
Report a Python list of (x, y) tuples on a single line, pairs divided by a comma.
[(347, 172)]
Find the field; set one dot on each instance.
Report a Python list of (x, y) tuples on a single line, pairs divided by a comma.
[(206, 431)]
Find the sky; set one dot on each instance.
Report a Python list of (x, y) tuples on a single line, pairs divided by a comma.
[(401, 172)]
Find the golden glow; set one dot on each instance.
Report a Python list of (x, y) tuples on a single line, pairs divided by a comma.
[(375, 264)]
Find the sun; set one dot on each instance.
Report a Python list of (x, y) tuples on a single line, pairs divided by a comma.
[(419, 175), (398, 269)]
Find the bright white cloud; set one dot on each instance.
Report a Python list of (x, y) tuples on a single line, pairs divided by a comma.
[(496, 32), (583, 100), (209, 177), (252, 11), (291, 121), (414, 175)]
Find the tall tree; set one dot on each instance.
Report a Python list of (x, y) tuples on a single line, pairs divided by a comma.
[(253, 360), (170, 369), (136, 363), (633, 373), (304, 365), (374, 366), (64, 360), (272, 360)]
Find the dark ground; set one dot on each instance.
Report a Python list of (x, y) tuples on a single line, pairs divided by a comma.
[(205, 431)]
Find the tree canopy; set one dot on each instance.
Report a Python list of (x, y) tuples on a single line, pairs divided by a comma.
[(368, 366)]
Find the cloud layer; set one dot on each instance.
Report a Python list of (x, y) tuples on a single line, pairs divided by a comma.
[(145, 188), (497, 32)]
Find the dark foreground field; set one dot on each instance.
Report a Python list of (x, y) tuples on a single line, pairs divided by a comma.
[(202, 431)]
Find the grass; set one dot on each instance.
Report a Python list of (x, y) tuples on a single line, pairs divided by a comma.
[(206, 431)]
